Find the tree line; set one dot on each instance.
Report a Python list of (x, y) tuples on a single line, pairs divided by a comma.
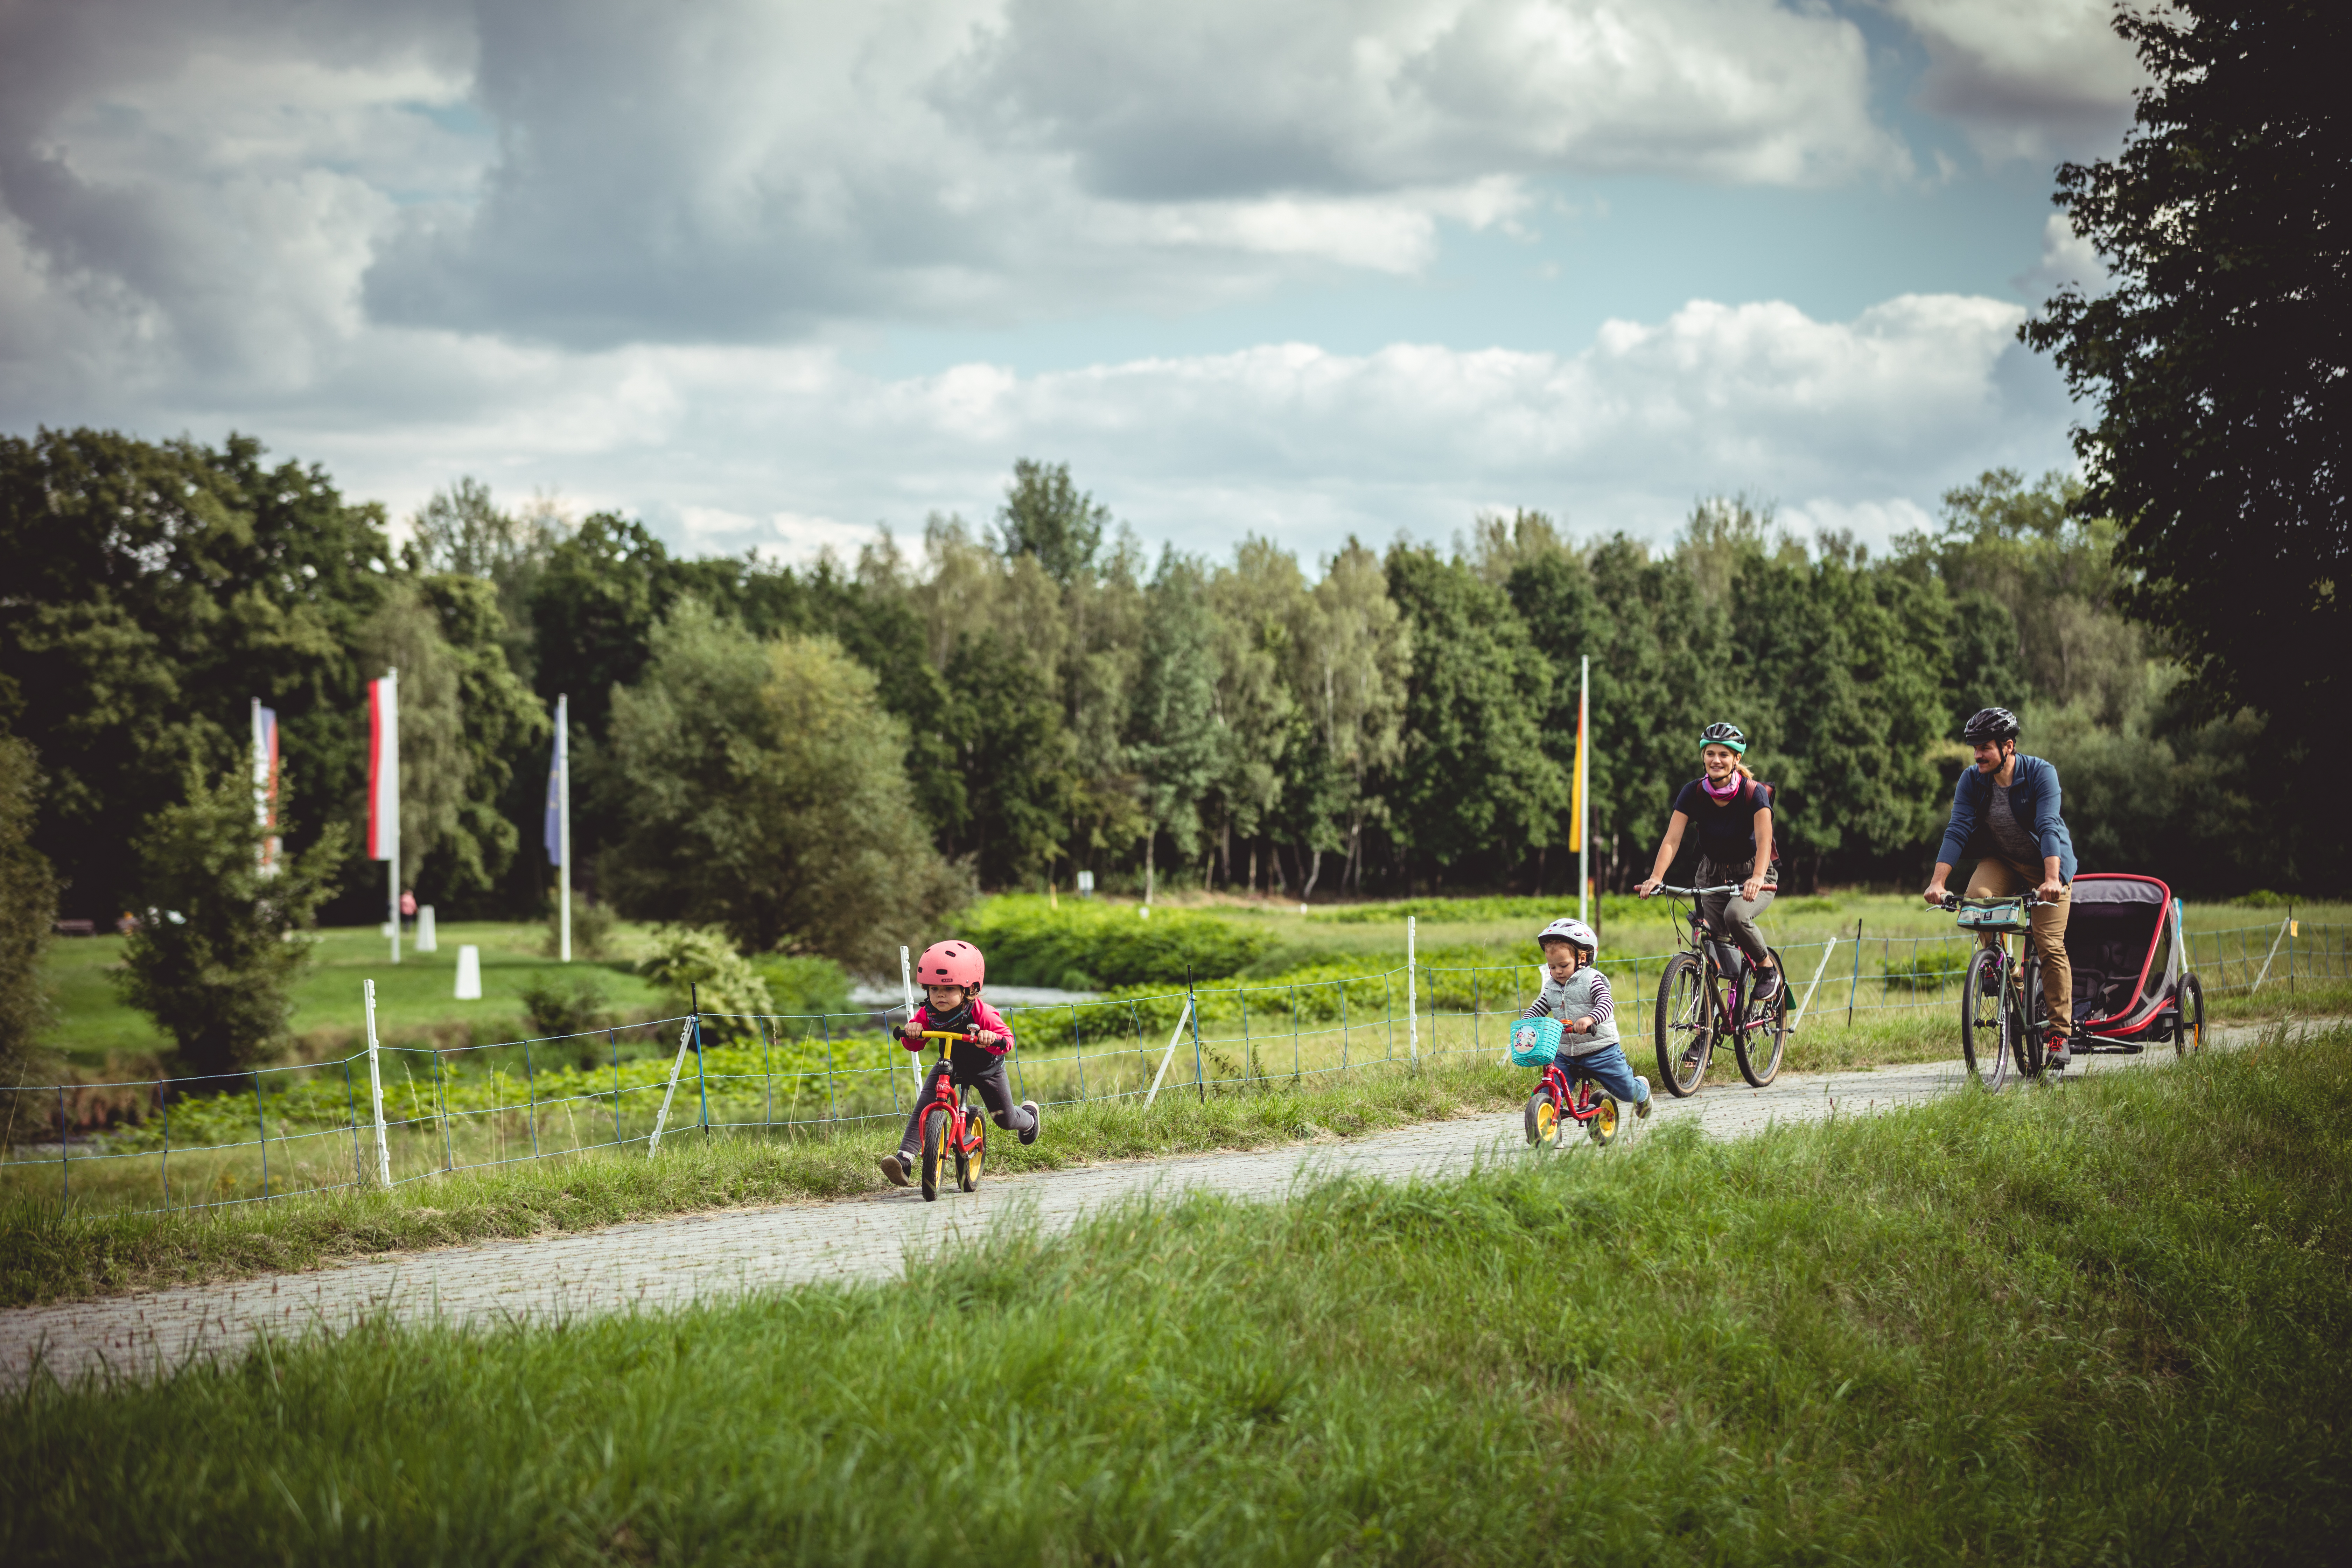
[(1009, 704)]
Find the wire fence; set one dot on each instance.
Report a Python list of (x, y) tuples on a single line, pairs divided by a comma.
[(152, 1145)]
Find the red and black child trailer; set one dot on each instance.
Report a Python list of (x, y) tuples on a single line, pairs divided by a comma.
[(2125, 1000)]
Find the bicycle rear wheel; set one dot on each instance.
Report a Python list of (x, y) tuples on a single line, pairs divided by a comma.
[(2189, 1027), (1682, 1025), (2025, 1014), (1983, 1003), (1601, 1126), (935, 1135), (1763, 1034)]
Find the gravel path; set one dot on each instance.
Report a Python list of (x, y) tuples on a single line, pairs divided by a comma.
[(668, 1262)]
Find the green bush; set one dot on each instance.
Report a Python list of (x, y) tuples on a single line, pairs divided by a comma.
[(1610, 908), (696, 967), (591, 930), (2260, 898), (552, 1007), (1084, 946)]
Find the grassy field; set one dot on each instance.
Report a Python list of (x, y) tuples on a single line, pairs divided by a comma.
[(2101, 1325), (416, 996)]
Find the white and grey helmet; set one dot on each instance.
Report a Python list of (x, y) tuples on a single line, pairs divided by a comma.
[(1574, 932)]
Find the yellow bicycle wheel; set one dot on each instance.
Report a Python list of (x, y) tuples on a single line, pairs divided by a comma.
[(1543, 1120), (1603, 1125)]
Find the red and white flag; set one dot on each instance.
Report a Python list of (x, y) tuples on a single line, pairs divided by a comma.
[(383, 768)]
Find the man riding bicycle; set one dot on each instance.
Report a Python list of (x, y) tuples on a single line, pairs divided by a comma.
[(2006, 808)]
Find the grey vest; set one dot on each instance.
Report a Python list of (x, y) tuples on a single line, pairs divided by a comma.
[(1571, 1001)]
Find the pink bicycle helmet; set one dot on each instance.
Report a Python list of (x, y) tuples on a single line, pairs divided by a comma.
[(951, 963)]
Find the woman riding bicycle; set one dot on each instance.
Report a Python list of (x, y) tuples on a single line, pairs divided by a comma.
[(1733, 809), (2007, 804)]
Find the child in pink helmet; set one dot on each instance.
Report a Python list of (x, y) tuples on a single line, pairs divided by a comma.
[(951, 974)]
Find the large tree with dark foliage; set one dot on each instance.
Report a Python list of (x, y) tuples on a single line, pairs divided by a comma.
[(2221, 360)]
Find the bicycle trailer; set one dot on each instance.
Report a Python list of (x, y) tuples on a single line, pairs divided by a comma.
[(2132, 984)]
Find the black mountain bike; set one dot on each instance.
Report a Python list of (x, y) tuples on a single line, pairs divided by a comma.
[(2004, 1022), (1707, 1000)]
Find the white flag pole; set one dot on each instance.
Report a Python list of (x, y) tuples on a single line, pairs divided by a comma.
[(384, 787), (563, 822), (1584, 792), (907, 982)]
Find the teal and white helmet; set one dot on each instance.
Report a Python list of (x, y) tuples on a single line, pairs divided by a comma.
[(1574, 932)]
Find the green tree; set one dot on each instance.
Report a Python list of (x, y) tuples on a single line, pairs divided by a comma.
[(1172, 735), (1013, 763), (462, 530), (1475, 778), (210, 960), (2219, 360), (1048, 516), (29, 908), (1258, 605), (762, 792), (1353, 651), (501, 724), (154, 590)]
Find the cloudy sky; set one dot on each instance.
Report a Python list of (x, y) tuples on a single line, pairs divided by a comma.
[(768, 273)]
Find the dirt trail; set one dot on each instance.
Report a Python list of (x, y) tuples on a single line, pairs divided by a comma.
[(669, 1262)]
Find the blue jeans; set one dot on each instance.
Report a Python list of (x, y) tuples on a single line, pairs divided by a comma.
[(1608, 1067)]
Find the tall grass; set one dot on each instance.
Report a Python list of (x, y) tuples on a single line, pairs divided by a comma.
[(2103, 1324)]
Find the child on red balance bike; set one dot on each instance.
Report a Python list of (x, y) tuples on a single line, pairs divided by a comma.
[(950, 973), (1578, 995)]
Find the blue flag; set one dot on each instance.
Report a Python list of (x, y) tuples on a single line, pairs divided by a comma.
[(554, 831)]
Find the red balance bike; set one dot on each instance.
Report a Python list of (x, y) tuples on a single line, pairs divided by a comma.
[(951, 1125), (1536, 1041)]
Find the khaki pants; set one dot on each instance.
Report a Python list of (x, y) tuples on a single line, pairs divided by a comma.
[(1997, 879)]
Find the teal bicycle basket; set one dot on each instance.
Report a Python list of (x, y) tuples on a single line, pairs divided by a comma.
[(1534, 1041)]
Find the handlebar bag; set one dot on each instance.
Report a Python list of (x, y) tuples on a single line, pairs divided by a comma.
[(1993, 914), (1534, 1041)]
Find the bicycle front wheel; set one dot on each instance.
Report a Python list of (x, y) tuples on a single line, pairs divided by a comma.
[(1983, 1006), (935, 1137), (972, 1152), (1763, 1034), (2188, 1028), (1683, 1025), (1543, 1120)]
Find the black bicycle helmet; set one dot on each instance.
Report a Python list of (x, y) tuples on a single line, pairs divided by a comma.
[(1724, 735), (1989, 724)]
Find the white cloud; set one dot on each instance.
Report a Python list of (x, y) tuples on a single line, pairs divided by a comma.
[(2067, 260), (2032, 80), (788, 451)]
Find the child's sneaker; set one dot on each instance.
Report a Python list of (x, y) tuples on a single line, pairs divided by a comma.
[(1642, 1106), (1036, 1120), (895, 1167)]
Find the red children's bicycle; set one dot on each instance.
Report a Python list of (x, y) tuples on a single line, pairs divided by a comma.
[(1535, 1042), (1583, 1103), (951, 1126)]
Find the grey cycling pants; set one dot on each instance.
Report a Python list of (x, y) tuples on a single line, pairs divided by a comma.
[(1729, 914)]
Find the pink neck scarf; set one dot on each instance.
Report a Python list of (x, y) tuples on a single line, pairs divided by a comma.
[(1730, 786)]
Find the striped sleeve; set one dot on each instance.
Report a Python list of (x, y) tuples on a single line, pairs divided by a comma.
[(1539, 1009), (1604, 1009)]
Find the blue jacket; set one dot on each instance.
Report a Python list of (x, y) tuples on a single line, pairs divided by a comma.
[(2032, 795)]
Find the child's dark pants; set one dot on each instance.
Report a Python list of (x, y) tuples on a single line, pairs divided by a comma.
[(987, 1075)]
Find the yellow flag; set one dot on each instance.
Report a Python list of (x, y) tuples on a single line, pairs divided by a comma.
[(1576, 799)]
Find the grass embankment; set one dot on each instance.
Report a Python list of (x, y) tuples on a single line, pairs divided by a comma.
[(2102, 1324), (45, 1257)]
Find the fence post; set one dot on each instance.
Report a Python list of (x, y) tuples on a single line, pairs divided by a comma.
[(262, 1122), (167, 1088), (768, 1072), (613, 1040), (701, 1078), (65, 1157), (530, 1090), (1198, 1082), (1078, 1048), (375, 1092), (352, 1108), (2265, 974), (677, 1066), (832, 1105), (1411, 999), (1857, 985), (441, 1104)]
